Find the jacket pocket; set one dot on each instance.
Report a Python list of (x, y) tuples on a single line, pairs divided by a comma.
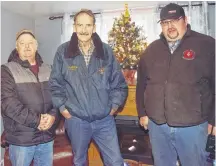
[(154, 101), (190, 98), (13, 126), (184, 104), (9, 124), (206, 99)]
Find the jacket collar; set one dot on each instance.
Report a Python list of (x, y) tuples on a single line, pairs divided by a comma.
[(14, 57), (73, 48)]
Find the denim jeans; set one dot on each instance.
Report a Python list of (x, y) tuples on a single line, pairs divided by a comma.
[(187, 143), (103, 132), (42, 154)]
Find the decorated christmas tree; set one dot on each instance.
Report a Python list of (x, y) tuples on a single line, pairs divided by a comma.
[(127, 41)]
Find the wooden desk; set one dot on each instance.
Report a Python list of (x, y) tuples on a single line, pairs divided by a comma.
[(130, 105)]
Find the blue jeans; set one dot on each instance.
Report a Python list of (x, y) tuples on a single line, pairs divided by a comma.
[(42, 154), (103, 132), (188, 143)]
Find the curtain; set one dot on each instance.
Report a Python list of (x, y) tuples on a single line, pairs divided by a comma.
[(67, 28), (107, 20), (146, 18), (197, 16)]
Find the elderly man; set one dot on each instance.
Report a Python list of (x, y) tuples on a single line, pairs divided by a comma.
[(175, 91), (28, 115), (88, 87)]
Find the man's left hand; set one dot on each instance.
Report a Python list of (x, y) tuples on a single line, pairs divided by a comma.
[(49, 122), (210, 129)]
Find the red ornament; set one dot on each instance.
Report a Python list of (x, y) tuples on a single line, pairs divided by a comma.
[(188, 55)]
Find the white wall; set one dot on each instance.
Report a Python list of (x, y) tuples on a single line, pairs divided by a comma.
[(48, 34), (11, 23)]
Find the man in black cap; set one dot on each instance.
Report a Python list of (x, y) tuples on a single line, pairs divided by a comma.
[(175, 91)]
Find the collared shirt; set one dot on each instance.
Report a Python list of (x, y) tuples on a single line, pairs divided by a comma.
[(173, 45), (89, 53)]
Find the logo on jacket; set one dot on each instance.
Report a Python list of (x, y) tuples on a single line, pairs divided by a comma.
[(72, 67), (101, 70), (188, 55)]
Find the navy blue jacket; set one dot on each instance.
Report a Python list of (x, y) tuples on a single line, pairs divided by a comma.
[(88, 93)]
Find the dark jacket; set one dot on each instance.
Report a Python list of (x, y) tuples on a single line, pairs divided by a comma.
[(87, 93), (175, 90), (23, 98)]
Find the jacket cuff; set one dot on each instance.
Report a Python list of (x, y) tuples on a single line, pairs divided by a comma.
[(38, 121), (115, 106), (142, 113), (62, 108), (53, 112), (212, 121)]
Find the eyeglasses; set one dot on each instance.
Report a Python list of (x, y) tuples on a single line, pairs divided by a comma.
[(166, 23)]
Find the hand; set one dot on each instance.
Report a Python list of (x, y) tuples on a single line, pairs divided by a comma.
[(50, 121), (66, 114), (144, 122), (113, 111), (43, 121), (46, 121), (210, 128)]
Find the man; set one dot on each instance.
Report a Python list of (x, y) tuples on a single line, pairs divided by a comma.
[(88, 87), (175, 91), (28, 115)]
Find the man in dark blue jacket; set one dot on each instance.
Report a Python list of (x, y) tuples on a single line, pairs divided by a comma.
[(88, 87)]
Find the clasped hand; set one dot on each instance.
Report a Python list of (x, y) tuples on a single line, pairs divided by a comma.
[(46, 121)]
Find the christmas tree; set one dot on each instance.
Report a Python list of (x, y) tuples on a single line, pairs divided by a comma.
[(126, 40)]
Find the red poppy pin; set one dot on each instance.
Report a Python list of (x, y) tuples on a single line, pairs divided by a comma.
[(188, 55)]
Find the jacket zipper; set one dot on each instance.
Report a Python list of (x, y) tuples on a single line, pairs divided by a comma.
[(167, 78), (88, 75), (40, 90), (170, 56), (37, 78), (165, 87)]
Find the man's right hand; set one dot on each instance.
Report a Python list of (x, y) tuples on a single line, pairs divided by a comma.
[(144, 122), (66, 114)]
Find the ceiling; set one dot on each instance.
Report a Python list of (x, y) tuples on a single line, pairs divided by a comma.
[(36, 9)]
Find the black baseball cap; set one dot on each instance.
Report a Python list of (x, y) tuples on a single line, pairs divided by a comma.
[(171, 11)]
